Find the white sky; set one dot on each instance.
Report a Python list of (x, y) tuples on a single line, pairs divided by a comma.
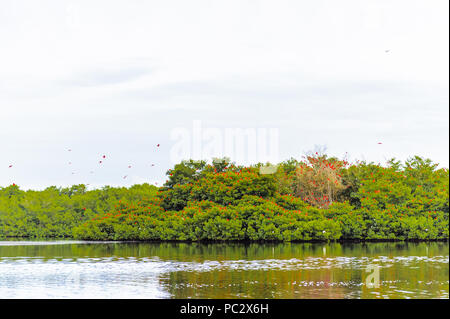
[(115, 77)]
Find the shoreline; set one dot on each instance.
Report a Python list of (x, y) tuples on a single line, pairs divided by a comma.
[(342, 241)]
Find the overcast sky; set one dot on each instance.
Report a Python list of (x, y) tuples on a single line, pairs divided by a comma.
[(115, 78)]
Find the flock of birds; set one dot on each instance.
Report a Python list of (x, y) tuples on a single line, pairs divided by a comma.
[(129, 166), (103, 157)]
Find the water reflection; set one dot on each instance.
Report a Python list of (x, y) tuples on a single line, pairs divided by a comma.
[(232, 270)]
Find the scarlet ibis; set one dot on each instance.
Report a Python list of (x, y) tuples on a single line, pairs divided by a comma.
[(10, 166), (104, 156), (157, 145), (380, 143)]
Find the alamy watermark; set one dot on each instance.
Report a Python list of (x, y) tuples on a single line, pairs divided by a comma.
[(242, 145), (373, 278)]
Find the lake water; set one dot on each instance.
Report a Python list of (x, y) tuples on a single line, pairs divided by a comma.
[(77, 269)]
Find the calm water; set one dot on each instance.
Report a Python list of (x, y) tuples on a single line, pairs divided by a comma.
[(74, 269)]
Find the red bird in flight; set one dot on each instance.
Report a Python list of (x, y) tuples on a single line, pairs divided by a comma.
[(157, 145), (10, 166)]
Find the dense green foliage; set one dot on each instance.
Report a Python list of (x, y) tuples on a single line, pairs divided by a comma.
[(54, 212), (221, 201)]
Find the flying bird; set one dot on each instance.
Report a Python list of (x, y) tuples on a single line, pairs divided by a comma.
[(10, 166), (129, 166), (125, 176), (380, 143), (387, 51), (157, 145), (153, 164), (100, 162), (104, 156), (69, 150)]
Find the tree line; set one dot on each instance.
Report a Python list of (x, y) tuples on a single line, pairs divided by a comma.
[(315, 198)]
